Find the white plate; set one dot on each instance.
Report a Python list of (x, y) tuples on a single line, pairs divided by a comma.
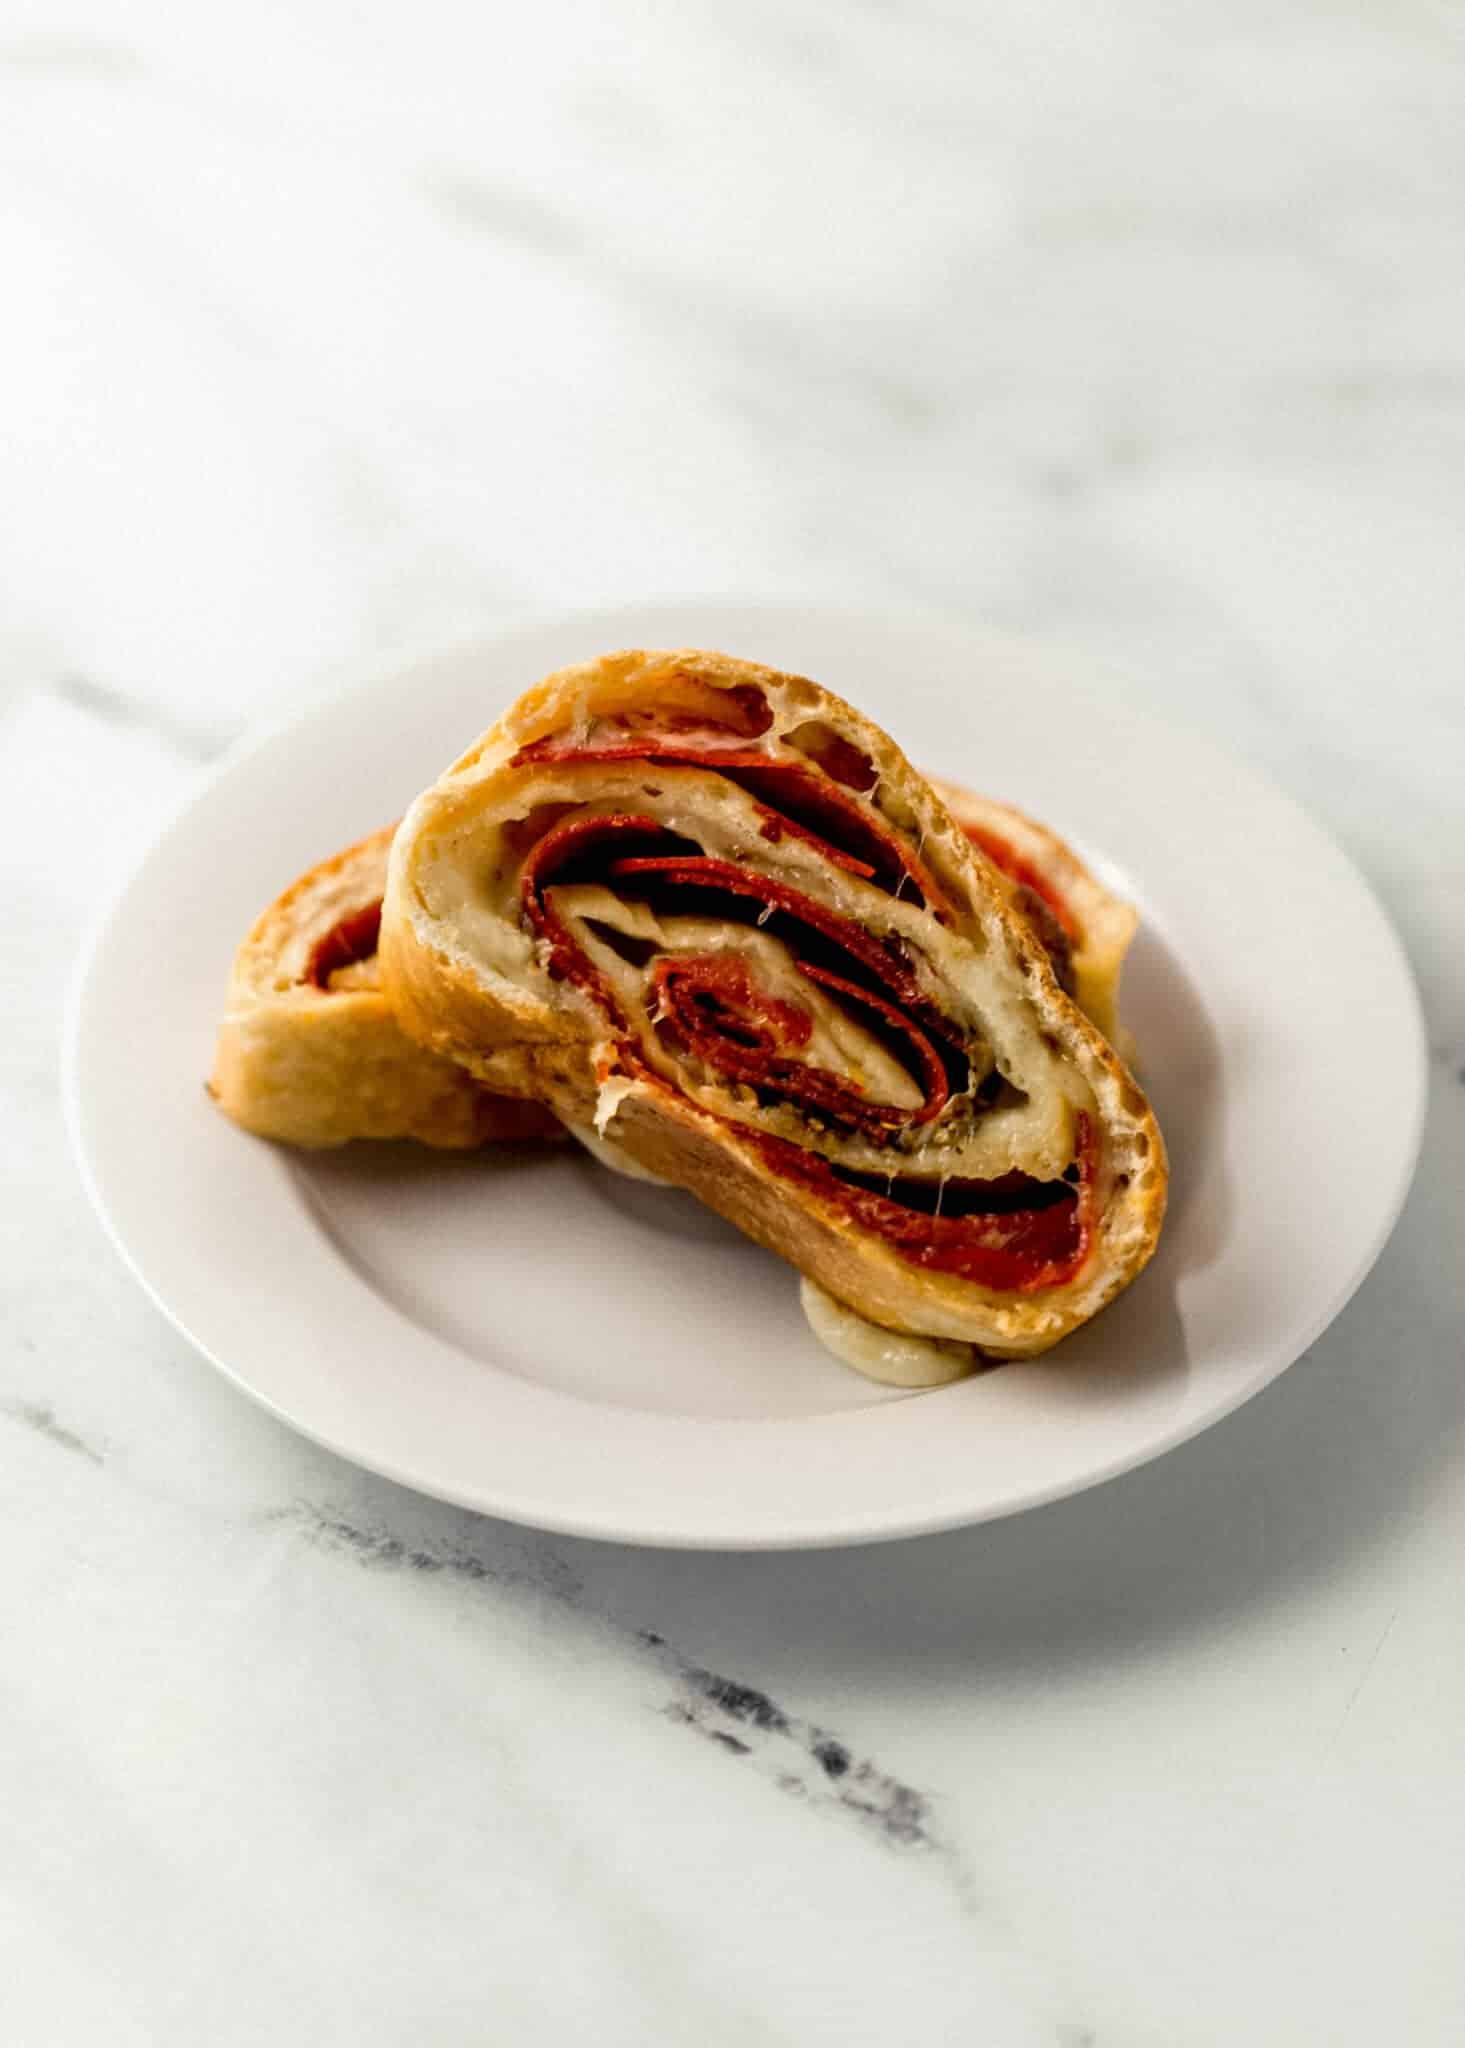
[(526, 1335)]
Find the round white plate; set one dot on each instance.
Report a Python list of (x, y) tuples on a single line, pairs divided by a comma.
[(525, 1334)]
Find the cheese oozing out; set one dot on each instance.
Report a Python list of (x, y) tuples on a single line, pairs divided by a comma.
[(891, 1357)]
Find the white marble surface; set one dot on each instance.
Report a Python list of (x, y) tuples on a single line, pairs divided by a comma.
[(333, 332)]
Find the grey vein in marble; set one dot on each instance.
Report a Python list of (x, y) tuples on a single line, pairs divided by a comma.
[(802, 1758), (798, 1756), (499, 210), (41, 1417), (69, 59), (747, 339), (122, 708)]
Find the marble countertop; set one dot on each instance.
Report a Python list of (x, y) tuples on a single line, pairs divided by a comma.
[(335, 333)]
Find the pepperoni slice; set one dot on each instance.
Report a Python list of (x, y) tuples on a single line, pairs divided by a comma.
[(1013, 1235), (747, 1035), (1036, 1234), (353, 939), (801, 801), (1004, 855)]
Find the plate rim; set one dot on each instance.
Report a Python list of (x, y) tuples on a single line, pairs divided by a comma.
[(643, 1529)]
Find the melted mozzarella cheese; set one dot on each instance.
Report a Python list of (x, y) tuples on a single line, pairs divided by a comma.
[(1035, 1137), (891, 1357), (465, 880), (612, 1093), (838, 1041)]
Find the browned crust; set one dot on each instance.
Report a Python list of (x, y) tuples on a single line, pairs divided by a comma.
[(316, 1067), (543, 1041)]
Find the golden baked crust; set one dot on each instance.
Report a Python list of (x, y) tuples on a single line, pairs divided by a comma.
[(470, 980), (316, 1066), (1100, 927)]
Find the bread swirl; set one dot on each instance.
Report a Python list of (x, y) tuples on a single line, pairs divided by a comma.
[(1085, 930), (309, 1052), (710, 909)]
